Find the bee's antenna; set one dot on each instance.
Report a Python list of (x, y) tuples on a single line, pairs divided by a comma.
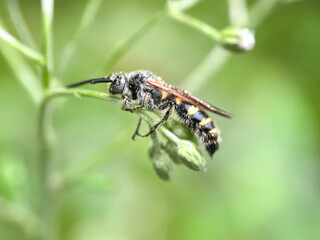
[(91, 81)]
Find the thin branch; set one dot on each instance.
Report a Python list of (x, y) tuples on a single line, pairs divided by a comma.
[(87, 18), (125, 45), (20, 24), (238, 13), (72, 174), (62, 92), (23, 72), (209, 66), (260, 11), (28, 52), (182, 5), (46, 198), (218, 57), (195, 23), (47, 7)]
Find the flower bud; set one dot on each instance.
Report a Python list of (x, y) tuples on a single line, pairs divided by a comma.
[(186, 152), (237, 39), (190, 156), (161, 162)]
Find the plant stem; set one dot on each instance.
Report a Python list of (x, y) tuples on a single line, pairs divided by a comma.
[(195, 23), (62, 92), (182, 5), (87, 18), (72, 174), (218, 57), (238, 13), (125, 45), (47, 16), (20, 24), (209, 66), (260, 11), (46, 199), (28, 52), (42, 169)]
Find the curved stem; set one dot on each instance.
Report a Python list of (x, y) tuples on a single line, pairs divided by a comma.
[(90, 11), (20, 23), (218, 57), (195, 23), (124, 46), (28, 52), (72, 174)]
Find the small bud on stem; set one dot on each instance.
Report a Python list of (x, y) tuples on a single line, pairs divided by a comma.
[(237, 39)]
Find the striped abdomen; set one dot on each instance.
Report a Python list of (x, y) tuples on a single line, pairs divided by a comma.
[(199, 122)]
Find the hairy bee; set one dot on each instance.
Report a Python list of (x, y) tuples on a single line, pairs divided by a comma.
[(153, 93)]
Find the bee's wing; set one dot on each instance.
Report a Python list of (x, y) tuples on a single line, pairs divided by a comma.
[(187, 97)]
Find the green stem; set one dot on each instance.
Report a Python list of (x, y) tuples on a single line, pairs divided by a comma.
[(260, 11), (124, 46), (209, 66), (20, 23), (182, 5), (238, 13), (87, 18), (72, 174), (195, 23), (63, 92), (46, 199), (218, 57), (28, 52), (47, 16), (23, 72)]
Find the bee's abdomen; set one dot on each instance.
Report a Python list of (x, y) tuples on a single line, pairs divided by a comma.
[(201, 123)]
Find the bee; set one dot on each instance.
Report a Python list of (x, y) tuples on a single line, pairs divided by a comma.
[(151, 92)]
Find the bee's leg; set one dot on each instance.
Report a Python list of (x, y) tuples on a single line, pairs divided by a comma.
[(136, 132), (154, 127), (124, 104)]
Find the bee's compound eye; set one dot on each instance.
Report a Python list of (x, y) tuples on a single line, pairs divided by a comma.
[(120, 80), (118, 85)]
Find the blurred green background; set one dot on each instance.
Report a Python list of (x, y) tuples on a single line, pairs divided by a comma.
[(263, 183)]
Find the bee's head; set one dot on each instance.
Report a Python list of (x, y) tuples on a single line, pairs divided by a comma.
[(118, 84)]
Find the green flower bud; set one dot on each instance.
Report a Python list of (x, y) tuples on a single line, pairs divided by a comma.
[(186, 152), (171, 149), (237, 39), (190, 156), (161, 161), (163, 165)]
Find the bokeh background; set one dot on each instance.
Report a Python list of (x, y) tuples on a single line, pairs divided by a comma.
[(263, 183)]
